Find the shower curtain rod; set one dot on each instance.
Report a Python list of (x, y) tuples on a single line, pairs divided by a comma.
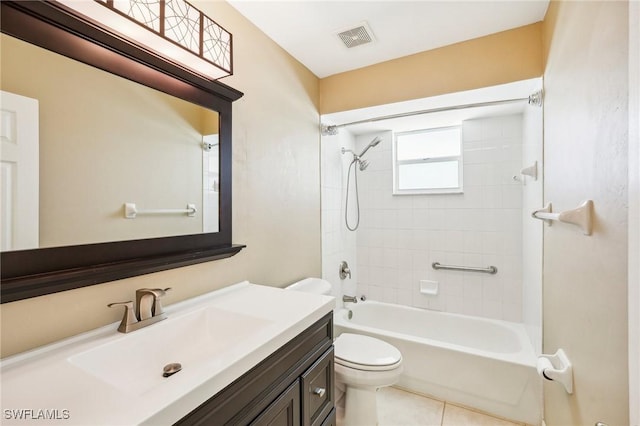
[(333, 128)]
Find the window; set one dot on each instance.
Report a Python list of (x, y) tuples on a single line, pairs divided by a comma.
[(428, 161)]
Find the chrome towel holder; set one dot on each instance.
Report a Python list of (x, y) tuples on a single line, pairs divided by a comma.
[(582, 216), (131, 211)]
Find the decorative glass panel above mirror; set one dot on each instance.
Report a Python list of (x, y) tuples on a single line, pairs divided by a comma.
[(105, 141)]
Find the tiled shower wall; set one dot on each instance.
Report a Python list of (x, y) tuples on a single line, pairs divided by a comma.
[(338, 243), (401, 236)]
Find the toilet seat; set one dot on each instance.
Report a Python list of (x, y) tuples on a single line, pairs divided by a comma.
[(365, 353)]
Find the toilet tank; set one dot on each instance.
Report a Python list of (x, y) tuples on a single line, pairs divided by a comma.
[(311, 285)]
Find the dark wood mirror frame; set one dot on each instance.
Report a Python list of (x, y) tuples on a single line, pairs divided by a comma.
[(31, 273)]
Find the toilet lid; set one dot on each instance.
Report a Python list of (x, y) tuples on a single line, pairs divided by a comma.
[(365, 353)]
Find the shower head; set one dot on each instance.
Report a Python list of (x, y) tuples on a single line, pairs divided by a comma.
[(373, 143)]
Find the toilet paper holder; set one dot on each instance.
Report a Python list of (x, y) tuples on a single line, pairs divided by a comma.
[(557, 368)]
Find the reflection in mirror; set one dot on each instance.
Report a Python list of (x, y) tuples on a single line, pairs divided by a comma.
[(103, 141)]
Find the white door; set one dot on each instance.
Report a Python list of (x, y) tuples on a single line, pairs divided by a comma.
[(20, 172)]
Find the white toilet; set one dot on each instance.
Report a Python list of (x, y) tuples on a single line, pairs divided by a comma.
[(363, 365)]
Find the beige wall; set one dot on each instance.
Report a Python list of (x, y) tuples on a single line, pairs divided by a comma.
[(504, 57), (585, 278), (276, 198)]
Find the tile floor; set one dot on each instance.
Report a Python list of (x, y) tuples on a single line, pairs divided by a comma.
[(399, 408)]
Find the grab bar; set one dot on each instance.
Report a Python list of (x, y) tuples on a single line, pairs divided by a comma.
[(130, 211), (489, 270)]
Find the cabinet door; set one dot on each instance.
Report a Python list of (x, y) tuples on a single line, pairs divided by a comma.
[(331, 419), (317, 390), (284, 411)]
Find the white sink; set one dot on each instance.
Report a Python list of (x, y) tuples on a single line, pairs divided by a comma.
[(134, 364)]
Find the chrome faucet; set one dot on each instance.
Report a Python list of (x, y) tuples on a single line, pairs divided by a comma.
[(352, 299), (148, 309)]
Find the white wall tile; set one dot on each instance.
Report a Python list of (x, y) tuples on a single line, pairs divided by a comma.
[(452, 284), (473, 197), (363, 289), (389, 295), (404, 218), (375, 256), (455, 305), (472, 285), (436, 219), (364, 274), (512, 312), (437, 303), (389, 238), (400, 236), (472, 130), (390, 257), (492, 309), (511, 196), (472, 242), (492, 289), (492, 196), (420, 219), (404, 278), (472, 307), (404, 297), (376, 293), (474, 175)]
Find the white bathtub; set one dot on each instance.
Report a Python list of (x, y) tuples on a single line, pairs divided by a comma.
[(486, 364)]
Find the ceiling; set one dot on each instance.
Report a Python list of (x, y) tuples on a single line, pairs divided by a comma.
[(308, 29)]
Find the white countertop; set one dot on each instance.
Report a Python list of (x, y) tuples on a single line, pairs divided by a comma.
[(44, 382)]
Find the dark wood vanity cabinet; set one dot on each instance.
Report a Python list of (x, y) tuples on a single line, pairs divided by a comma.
[(292, 387)]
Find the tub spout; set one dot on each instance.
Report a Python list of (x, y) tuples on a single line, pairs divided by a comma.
[(352, 299)]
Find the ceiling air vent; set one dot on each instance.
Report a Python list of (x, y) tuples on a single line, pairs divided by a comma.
[(356, 36)]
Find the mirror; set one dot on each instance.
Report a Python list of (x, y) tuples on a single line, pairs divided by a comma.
[(157, 149), (103, 141)]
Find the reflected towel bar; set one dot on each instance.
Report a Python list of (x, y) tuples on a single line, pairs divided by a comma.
[(489, 270), (130, 211)]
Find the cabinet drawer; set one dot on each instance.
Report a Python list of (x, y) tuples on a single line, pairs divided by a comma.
[(284, 411), (318, 394)]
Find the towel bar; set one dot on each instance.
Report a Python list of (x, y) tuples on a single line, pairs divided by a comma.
[(582, 216), (130, 211)]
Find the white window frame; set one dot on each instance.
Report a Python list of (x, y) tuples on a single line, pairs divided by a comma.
[(397, 163)]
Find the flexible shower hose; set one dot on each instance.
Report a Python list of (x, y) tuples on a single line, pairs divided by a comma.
[(346, 201)]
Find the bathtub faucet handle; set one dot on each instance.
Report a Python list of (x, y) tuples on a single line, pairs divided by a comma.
[(344, 271)]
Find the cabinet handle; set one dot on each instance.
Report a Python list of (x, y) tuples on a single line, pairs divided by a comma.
[(319, 391)]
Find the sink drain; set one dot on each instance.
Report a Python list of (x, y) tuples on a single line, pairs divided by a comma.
[(171, 369)]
